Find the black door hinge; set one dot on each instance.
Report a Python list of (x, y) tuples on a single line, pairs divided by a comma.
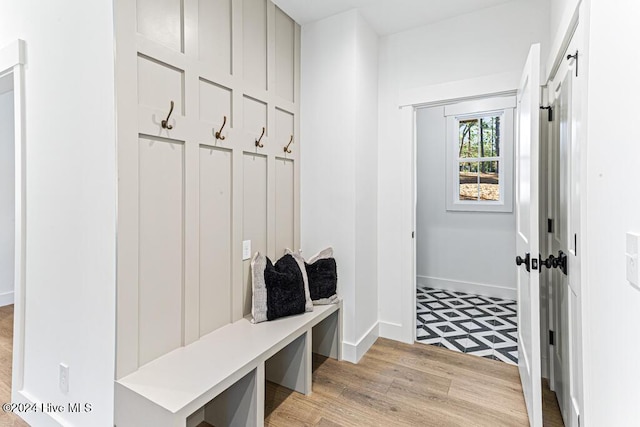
[(549, 225), (552, 337), (575, 244), (413, 234), (549, 112)]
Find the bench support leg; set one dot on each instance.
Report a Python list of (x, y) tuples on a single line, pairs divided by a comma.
[(240, 405), (291, 366), (327, 339)]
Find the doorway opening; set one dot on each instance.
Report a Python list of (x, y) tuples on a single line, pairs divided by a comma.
[(465, 227), (7, 230), (12, 224), (552, 317), (560, 238), (7, 190)]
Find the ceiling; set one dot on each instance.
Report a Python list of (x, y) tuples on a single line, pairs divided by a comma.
[(385, 16)]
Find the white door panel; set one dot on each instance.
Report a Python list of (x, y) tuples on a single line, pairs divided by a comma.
[(527, 236)]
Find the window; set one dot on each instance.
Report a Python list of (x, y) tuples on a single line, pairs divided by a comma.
[(479, 155)]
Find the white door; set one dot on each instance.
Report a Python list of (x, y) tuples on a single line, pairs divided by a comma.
[(527, 235), (564, 290), (561, 138)]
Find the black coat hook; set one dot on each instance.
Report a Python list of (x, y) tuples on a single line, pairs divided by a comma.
[(575, 56), (218, 135), (258, 144), (286, 149), (165, 123)]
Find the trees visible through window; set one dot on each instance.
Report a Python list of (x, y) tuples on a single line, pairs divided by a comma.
[(479, 158), (479, 142)]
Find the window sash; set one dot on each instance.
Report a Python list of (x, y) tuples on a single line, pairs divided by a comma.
[(486, 108)]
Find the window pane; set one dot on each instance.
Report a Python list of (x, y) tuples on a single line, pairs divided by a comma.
[(489, 181), (468, 180), (468, 139), (490, 136)]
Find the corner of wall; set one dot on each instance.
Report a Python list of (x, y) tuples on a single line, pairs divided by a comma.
[(353, 352)]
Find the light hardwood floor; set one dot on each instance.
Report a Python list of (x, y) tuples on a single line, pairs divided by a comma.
[(408, 385), (395, 384), (6, 352)]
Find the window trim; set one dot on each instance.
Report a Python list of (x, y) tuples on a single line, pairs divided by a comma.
[(504, 106)]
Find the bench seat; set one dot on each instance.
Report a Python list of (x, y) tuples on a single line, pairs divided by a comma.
[(167, 390)]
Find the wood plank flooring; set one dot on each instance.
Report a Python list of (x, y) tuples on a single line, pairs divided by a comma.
[(6, 354), (397, 384)]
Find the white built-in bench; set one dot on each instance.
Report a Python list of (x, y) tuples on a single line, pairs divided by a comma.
[(221, 377)]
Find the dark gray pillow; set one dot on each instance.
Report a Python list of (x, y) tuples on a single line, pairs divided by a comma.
[(278, 290), (322, 276)]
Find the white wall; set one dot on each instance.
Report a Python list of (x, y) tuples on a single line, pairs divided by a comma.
[(612, 305), (557, 11), (366, 176), (338, 163), (70, 218), (445, 51), (7, 197), (465, 251)]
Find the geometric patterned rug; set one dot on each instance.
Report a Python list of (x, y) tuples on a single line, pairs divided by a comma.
[(472, 324)]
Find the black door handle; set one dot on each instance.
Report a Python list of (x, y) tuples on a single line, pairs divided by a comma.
[(526, 261), (561, 262), (549, 262)]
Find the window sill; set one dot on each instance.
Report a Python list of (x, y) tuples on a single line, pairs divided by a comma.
[(497, 207)]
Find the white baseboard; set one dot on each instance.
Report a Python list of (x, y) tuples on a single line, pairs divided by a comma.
[(353, 352), (395, 331), (36, 418), (544, 365), (6, 299), (468, 287)]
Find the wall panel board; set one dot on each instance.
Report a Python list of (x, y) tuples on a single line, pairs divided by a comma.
[(159, 84), (254, 215), (285, 200), (285, 55), (161, 21), (215, 103), (161, 233), (214, 35), (216, 183), (187, 200), (254, 31)]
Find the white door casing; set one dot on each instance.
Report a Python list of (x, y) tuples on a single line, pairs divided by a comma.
[(527, 235)]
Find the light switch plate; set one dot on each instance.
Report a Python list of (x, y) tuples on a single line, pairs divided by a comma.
[(632, 269), (631, 257), (246, 249), (64, 378)]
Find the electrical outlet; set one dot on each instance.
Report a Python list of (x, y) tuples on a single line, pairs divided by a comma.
[(64, 378), (246, 249)]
